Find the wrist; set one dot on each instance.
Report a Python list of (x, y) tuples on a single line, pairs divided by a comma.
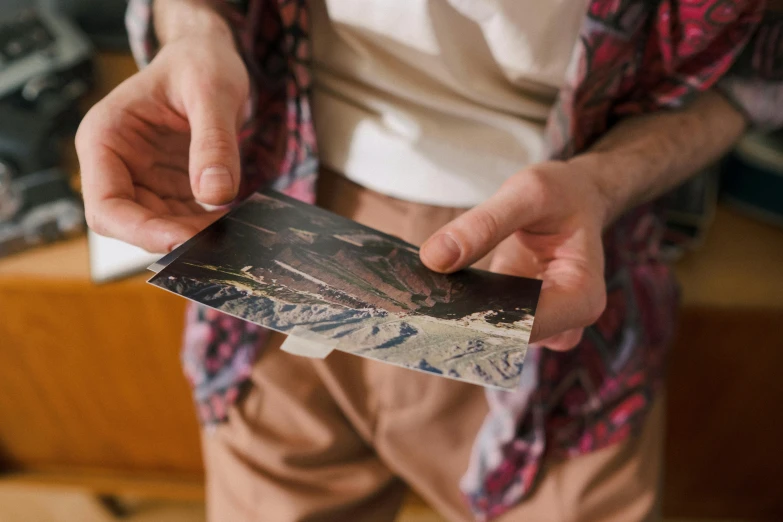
[(177, 19), (609, 191)]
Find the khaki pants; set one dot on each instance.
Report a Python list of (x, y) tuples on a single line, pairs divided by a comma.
[(339, 438)]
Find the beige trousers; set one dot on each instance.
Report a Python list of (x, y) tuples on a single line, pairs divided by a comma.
[(339, 439)]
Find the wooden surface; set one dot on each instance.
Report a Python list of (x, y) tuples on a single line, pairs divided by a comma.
[(144, 484), (63, 261), (725, 386), (90, 379), (740, 265), (92, 393), (724, 423)]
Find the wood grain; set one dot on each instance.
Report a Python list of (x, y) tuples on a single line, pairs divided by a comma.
[(172, 486), (90, 376), (724, 422), (740, 265)]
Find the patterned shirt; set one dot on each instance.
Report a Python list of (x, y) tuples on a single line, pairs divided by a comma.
[(632, 57)]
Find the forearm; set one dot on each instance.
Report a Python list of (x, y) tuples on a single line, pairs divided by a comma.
[(175, 19), (643, 157)]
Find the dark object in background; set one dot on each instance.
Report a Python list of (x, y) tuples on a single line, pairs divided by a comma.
[(36, 45), (752, 178), (688, 211), (103, 21), (749, 178), (45, 68), (37, 203), (45, 65)]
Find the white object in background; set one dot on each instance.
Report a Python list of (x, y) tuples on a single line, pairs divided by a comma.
[(113, 259)]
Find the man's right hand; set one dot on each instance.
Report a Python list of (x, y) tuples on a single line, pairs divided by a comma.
[(164, 141)]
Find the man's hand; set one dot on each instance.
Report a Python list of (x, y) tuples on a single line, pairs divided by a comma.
[(164, 141), (545, 222)]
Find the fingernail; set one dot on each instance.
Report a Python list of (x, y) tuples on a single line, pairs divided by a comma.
[(442, 252), (214, 181)]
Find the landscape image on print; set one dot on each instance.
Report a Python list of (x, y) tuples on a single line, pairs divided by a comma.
[(284, 264)]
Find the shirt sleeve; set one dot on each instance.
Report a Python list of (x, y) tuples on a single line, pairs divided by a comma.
[(141, 31), (144, 42), (754, 84)]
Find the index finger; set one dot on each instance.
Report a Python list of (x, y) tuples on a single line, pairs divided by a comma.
[(472, 235)]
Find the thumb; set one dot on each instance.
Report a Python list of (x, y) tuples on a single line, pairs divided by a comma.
[(476, 232), (214, 151)]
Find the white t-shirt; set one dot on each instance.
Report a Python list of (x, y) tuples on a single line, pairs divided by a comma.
[(437, 101)]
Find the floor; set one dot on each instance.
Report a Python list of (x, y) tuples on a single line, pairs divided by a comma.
[(19, 503), (36, 504)]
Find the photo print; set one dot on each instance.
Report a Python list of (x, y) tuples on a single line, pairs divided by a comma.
[(304, 271)]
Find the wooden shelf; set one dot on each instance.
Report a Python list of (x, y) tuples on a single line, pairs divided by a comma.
[(740, 264)]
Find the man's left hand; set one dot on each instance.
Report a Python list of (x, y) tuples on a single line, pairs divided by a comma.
[(545, 222)]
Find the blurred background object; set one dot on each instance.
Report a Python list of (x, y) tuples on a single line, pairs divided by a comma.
[(45, 69), (688, 212), (752, 178), (103, 21), (749, 179)]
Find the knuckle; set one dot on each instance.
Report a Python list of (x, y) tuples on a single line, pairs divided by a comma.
[(222, 137), (207, 85), (213, 85), (217, 139), (537, 184), (541, 187), (484, 226)]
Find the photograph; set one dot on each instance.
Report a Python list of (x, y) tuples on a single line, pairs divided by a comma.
[(293, 267)]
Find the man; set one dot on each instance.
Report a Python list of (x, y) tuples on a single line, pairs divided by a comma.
[(430, 122)]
